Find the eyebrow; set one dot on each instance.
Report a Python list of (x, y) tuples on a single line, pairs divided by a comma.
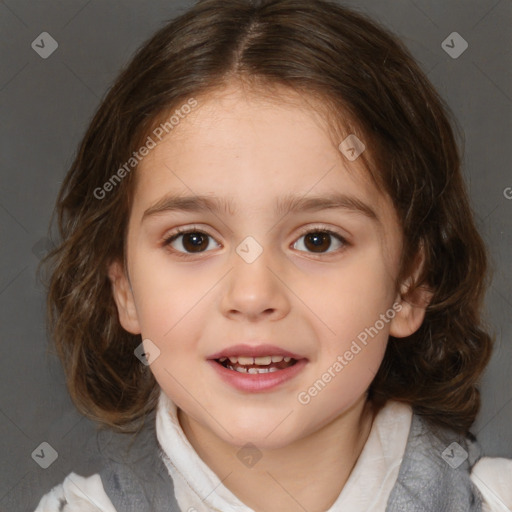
[(285, 205)]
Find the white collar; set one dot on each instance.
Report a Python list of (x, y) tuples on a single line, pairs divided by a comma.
[(199, 489)]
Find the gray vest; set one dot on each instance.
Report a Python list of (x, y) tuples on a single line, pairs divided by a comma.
[(433, 476)]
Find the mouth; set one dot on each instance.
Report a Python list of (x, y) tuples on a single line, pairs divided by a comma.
[(255, 365), (256, 368)]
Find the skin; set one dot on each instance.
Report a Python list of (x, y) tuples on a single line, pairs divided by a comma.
[(254, 151)]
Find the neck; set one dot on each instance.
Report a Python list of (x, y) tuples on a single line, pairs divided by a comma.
[(308, 474)]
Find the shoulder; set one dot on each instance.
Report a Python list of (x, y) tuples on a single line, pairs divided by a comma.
[(129, 475), (77, 494), (461, 463), (493, 478)]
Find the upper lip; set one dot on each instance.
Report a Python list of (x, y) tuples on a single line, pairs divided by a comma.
[(260, 350)]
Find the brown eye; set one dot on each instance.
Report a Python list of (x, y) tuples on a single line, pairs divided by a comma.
[(319, 242), (195, 242), (190, 242)]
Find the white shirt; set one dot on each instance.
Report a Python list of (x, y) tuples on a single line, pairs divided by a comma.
[(199, 489)]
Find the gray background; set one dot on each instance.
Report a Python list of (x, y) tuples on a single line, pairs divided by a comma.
[(45, 107)]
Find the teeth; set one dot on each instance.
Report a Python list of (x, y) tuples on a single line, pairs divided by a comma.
[(241, 369), (262, 370), (262, 361)]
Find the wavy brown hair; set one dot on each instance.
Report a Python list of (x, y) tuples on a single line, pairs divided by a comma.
[(368, 84)]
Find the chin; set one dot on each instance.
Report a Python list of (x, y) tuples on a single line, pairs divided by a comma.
[(266, 434), (260, 440)]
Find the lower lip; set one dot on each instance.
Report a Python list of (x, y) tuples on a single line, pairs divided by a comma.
[(255, 382)]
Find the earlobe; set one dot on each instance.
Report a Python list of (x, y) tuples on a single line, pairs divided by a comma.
[(413, 303), (123, 297), (411, 314)]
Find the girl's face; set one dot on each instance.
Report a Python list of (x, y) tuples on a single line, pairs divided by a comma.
[(290, 255)]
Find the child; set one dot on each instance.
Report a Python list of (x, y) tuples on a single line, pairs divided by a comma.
[(269, 272)]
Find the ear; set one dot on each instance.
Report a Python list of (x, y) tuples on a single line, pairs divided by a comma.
[(411, 305), (123, 297)]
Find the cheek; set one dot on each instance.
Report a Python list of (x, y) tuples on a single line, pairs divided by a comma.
[(175, 323), (167, 296), (341, 384), (351, 299), (351, 361), (347, 364), (171, 306)]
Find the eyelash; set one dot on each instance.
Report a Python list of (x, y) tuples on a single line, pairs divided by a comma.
[(317, 229)]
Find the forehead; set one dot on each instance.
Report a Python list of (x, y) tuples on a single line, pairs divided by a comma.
[(244, 144)]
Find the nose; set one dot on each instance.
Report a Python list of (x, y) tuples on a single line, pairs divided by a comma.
[(253, 292)]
